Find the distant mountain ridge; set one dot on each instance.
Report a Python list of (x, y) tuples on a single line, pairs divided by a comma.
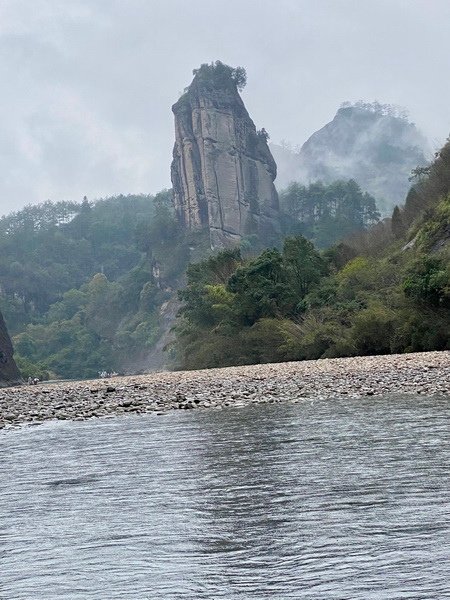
[(372, 143)]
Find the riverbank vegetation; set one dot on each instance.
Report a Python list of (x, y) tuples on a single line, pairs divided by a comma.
[(383, 291), (84, 286)]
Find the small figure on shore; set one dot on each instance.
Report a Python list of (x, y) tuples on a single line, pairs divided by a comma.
[(30, 381), (106, 374)]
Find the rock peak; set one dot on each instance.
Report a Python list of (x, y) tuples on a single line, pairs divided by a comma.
[(222, 169)]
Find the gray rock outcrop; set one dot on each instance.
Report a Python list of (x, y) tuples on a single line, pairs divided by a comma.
[(222, 170), (9, 373)]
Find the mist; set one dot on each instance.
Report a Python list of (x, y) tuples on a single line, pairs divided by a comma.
[(89, 84)]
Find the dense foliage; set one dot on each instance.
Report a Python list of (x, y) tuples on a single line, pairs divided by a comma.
[(47, 249), (227, 298), (327, 213), (386, 290), (82, 284), (217, 74)]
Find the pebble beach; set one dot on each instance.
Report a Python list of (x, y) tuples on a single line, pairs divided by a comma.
[(418, 373)]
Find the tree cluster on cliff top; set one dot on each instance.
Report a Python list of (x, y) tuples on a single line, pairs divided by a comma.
[(219, 74), (384, 110)]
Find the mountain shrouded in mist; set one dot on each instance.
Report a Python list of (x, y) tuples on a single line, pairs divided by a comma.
[(373, 144)]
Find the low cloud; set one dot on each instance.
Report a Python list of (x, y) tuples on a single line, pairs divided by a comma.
[(88, 84)]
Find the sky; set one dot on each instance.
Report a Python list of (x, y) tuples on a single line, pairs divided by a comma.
[(87, 85)]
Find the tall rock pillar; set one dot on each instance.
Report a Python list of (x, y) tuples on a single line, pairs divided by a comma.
[(222, 170)]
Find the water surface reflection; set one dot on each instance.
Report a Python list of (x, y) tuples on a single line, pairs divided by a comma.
[(344, 499)]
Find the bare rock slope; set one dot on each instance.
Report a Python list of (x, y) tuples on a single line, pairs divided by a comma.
[(222, 169), (9, 373)]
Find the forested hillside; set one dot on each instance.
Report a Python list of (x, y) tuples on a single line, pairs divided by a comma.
[(85, 287), (383, 291), (82, 284), (326, 214)]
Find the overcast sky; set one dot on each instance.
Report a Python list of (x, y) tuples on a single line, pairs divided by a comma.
[(87, 85)]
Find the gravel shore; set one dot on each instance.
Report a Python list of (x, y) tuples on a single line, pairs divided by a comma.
[(420, 373)]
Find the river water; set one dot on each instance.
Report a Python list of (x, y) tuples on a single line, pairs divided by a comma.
[(345, 499)]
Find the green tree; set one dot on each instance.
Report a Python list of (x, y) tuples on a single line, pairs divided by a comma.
[(304, 267), (327, 213), (259, 287)]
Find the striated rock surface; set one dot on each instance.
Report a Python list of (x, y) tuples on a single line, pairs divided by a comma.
[(222, 170), (9, 373)]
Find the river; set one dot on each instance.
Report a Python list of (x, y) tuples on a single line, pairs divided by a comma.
[(343, 499)]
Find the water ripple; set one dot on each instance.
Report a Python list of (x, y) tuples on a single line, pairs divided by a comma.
[(325, 500)]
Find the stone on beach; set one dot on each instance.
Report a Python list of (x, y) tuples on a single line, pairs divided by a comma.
[(159, 392)]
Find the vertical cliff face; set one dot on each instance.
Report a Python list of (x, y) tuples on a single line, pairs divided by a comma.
[(9, 373), (222, 169)]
